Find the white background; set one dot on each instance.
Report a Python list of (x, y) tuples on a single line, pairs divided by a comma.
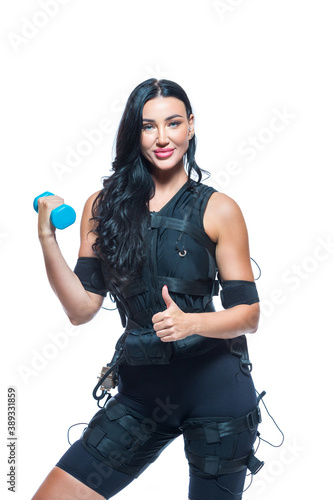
[(69, 66)]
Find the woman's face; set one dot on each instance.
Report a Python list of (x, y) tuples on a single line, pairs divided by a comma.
[(165, 132)]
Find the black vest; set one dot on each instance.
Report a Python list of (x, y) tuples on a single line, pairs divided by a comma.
[(182, 256)]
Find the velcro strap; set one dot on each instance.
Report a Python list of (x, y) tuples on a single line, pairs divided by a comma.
[(212, 432), (143, 318), (118, 455), (236, 292), (114, 410), (93, 436), (189, 287), (176, 285), (135, 429), (89, 272), (186, 227), (216, 466)]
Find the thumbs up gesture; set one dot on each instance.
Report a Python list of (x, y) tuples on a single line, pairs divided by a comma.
[(171, 324)]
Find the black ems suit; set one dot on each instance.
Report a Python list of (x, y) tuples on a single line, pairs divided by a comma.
[(199, 387)]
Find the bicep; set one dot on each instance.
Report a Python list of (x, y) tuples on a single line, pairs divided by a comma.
[(232, 249), (88, 238), (228, 228)]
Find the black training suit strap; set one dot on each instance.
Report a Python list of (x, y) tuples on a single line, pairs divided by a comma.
[(187, 227), (176, 285), (236, 292), (189, 287), (89, 272)]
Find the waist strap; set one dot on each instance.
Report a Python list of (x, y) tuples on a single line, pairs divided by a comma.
[(143, 318)]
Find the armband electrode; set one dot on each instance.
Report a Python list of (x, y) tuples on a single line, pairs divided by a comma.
[(236, 292), (89, 272)]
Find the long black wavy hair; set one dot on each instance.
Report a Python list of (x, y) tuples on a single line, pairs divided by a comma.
[(120, 210)]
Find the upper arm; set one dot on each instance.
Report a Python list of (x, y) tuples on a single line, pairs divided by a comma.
[(88, 236), (225, 224)]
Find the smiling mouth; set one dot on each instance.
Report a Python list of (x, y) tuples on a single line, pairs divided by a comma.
[(163, 153)]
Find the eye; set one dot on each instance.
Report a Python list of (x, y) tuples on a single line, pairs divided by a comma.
[(148, 127), (174, 124)]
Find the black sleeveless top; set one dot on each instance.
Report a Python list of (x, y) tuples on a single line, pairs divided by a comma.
[(179, 254)]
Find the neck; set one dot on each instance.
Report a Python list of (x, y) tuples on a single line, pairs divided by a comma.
[(166, 185), (168, 181)]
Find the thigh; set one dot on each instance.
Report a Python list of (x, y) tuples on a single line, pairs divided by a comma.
[(93, 473), (125, 440), (115, 448), (219, 452)]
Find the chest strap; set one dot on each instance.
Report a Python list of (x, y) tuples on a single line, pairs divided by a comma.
[(196, 232), (176, 285), (190, 287)]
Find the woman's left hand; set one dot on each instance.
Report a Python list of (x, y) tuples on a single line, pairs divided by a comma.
[(171, 324)]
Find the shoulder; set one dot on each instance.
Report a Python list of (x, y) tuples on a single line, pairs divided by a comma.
[(90, 201), (88, 207), (87, 224), (222, 215), (88, 235), (218, 203)]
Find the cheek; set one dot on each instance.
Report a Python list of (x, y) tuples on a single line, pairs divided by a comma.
[(182, 136), (145, 143), (182, 140)]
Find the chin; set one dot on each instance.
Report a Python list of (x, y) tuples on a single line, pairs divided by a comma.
[(168, 164)]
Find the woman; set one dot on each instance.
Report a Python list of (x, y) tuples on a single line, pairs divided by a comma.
[(157, 238)]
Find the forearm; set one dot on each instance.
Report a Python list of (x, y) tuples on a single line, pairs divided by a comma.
[(75, 300), (225, 324)]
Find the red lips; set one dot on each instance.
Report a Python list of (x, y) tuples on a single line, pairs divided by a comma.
[(163, 150)]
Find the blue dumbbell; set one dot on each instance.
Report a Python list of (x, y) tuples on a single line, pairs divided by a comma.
[(62, 216)]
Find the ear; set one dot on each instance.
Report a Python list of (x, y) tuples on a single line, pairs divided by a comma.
[(191, 126)]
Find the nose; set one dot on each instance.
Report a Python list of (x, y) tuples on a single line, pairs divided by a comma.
[(162, 138)]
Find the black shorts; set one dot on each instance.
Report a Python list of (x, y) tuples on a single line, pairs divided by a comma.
[(155, 405)]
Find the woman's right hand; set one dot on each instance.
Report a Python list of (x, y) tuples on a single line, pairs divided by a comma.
[(45, 206)]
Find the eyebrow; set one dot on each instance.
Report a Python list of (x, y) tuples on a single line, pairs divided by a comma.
[(167, 119)]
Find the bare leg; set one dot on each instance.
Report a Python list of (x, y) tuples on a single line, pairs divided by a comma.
[(59, 485)]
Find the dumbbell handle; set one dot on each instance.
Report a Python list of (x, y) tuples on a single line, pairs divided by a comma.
[(62, 216)]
